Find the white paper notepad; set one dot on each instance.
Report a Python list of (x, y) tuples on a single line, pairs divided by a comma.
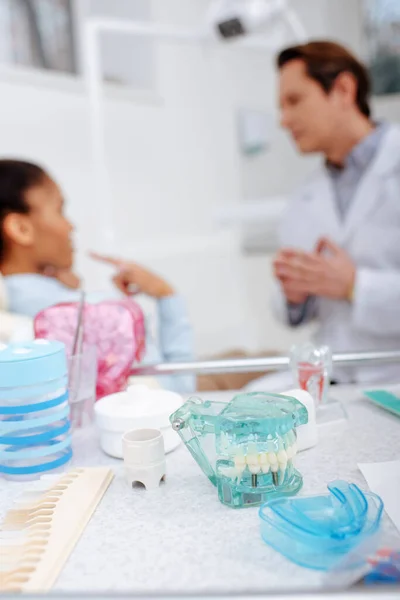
[(384, 479)]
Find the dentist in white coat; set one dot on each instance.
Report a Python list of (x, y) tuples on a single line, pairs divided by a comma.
[(339, 261)]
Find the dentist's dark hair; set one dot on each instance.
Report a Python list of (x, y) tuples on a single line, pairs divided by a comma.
[(326, 60), (16, 178)]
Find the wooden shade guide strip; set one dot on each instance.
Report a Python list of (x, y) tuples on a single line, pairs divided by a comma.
[(37, 537)]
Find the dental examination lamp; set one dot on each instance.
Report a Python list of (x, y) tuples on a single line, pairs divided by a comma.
[(236, 18)]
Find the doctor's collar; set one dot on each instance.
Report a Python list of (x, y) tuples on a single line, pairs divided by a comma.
[(362, 154)]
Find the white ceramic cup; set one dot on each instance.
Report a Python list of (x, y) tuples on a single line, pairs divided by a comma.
[(143, 447), (144, 457)]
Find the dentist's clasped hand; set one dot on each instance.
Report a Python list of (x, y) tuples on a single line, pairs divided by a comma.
[(328, 272)]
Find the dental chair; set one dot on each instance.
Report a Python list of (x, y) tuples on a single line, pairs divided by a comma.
[(13, 327)]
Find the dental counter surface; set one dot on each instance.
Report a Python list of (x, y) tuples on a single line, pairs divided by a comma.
[(181, 539)]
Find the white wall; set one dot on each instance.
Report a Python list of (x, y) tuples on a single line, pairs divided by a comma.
[(173, 160), (120, 53)]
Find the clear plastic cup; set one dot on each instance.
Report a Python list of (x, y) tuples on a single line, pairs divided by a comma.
[(82, 370)]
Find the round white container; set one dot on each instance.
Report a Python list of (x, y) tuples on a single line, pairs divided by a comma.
[(139, 407), (307, 435)]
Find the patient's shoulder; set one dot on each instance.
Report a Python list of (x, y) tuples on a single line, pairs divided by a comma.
[(29, 293), (31, 282)]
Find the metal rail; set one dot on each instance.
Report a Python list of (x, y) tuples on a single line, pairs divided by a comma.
[(268, 363)]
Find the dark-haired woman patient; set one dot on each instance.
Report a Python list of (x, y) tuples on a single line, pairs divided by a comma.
[(35, 242)]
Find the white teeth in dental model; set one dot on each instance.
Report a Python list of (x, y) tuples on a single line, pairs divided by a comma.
[(282, 467), (260, 462), (254, 469), (263, 460), (240, 465), (253, 463), (228, 472), (252, 459), (282, 456)]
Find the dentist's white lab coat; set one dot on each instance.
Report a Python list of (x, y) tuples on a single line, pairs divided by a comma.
[(370, 234)]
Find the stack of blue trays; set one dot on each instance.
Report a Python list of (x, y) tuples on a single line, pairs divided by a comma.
[(35, 432)]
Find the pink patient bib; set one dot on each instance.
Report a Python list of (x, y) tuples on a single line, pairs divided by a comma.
[(115, 328)]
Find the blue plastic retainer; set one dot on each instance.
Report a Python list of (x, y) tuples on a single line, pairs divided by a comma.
[(323, 532)]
